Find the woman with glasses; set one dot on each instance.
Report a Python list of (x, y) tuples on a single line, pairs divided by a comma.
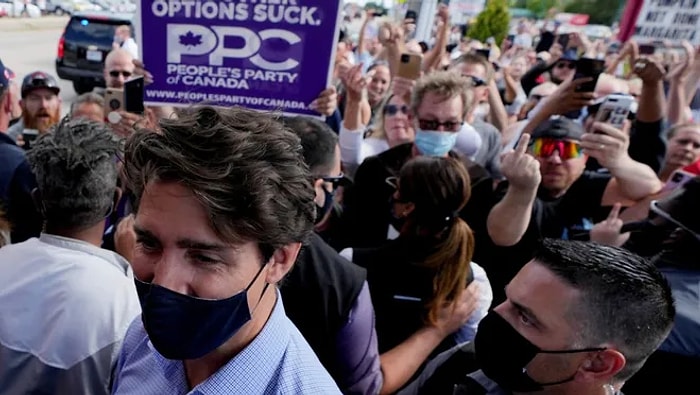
[(429, 264)]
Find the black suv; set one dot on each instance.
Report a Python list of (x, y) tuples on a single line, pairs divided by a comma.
[(85, 43)]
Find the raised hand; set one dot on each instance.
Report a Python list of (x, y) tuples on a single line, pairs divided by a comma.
[(355, 83), (453, 315), (326, 103), (521, 169), (607, 145), (608, 231), (402, 87)]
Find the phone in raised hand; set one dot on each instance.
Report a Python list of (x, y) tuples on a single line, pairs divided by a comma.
[(588, 68), (615, 110)]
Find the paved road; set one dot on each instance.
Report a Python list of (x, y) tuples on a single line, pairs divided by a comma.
[(26, 51)]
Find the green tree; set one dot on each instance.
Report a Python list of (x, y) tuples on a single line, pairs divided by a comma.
[(540, 7), (493, 21), (603, 12)]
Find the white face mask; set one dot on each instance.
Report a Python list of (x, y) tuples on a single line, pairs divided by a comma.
[(481, 111)]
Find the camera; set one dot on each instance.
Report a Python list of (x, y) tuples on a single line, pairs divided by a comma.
[(114, 105)]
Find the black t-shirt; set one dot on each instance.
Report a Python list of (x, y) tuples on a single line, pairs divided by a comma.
[(570, 216)]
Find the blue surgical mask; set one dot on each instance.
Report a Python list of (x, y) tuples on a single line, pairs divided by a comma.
[(185, 327), (435, 143)]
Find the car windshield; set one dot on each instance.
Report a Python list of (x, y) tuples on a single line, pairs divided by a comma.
[(93, 31)]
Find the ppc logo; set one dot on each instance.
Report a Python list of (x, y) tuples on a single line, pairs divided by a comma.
[(198, 40)]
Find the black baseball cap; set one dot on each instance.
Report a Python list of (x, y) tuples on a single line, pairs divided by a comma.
[(559, 128), (38, 80)]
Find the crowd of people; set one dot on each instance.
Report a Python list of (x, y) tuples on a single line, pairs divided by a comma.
[(475, 230)]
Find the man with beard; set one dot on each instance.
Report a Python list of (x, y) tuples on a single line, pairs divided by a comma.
[(41, 106)]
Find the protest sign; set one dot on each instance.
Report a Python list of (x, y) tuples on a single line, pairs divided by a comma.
[(270, 55), (671, 20)]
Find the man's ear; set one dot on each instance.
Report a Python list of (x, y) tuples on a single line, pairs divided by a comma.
[(602, 365), (282, 262), (7, 104)]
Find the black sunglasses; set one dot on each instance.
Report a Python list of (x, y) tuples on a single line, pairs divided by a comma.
[(393, 109), (450, 126), (476, 81), (117, 73), (337, 181), (570, 65)]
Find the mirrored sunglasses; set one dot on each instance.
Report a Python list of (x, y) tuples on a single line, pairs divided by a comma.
[(545, 147)]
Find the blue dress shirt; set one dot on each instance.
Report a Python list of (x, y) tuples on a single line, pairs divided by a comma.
[(277, 361)]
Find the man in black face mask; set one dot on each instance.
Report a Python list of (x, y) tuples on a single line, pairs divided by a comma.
[(223, 203), (579, 319)]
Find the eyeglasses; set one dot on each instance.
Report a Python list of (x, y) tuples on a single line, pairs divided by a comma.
[(476, 81), (337, 181), (561, 65), (545, 147), (393, 109), (450, 126), (117, 73)]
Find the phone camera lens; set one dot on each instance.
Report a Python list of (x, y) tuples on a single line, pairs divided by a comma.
[(114, 104)]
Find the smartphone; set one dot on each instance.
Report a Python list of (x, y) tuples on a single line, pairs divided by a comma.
[(114, 100), (29, 136), (410, 14), (615, 110), (563, 40), (133, 95), (677, 180), (589, 68), (486, 53), (410, 66), (647, 49)]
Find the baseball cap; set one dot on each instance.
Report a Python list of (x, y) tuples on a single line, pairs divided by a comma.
[(681, 208), (6, 75), (37, 80), (570, 55), (559, 128)]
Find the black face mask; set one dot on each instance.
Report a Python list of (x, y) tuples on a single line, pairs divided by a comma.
[(503, 354), (327, 205)]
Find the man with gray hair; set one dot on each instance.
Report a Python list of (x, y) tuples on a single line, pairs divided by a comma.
[(66, 303), (89, 106)]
